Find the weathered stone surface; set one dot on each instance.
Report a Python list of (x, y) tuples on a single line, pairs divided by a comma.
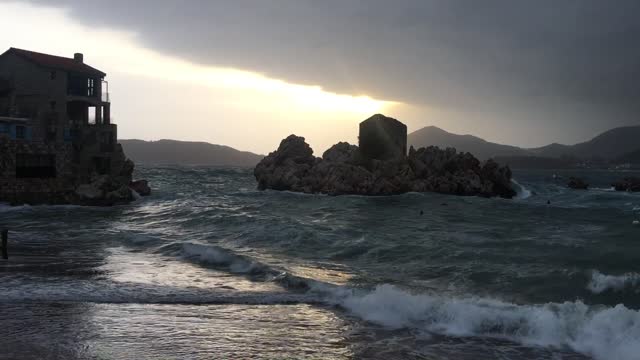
[(577, 184), (69, 186), (141, 187), (630, 184), (341, 152), (342, 170), (103, 190)]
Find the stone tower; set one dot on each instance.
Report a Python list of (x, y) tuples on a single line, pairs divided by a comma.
[(382, 138)]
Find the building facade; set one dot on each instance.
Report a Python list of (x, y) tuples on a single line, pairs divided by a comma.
[(382, 138), (55, 127)]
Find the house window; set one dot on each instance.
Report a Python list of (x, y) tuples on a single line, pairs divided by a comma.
[(35, 166), (21, 132), (91, 87), (52, 74)]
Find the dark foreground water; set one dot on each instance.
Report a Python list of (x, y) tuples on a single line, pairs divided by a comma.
[(210, 268)]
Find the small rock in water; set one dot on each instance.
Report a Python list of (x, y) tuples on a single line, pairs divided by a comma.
[(630, 184), (141, 187), (577, 184)]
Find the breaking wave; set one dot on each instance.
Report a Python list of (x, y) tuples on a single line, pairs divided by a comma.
[(522, 192), (601, 282), (217, 256), (604, 333), (222, 258)]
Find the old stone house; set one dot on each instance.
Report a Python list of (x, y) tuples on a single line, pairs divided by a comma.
[(382, 138), (55, 128)]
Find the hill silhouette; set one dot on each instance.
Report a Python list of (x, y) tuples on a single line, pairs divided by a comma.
[(609, 145), (187, 153), (480, 148)]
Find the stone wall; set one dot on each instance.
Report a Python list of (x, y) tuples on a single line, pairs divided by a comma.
[(34, 190), (75, 164)]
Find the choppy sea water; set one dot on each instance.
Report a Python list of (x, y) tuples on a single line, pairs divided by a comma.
[(210, 268)]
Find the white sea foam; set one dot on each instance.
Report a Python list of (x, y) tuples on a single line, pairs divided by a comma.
[(609, 189), (522, 192), (601, 282), (604, 333)]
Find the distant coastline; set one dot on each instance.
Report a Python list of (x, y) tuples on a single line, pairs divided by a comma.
[(174, 152)]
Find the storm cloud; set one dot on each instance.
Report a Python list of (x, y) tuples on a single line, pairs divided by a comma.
[(535, 63)]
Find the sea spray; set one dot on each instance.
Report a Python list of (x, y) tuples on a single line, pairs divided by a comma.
[(604, 333), (521, 191), (601, 282)]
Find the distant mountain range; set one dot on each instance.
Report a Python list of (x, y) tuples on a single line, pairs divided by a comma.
[(187, 153), (608, 145), (480, 148), (619, 145), (614, 145)]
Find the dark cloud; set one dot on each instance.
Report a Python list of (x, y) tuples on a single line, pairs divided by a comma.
[(578, 58)]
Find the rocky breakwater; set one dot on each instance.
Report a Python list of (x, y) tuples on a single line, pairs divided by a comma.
[(343, 170), (114, 188)]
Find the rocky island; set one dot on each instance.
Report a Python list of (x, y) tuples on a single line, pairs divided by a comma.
[(380, 166)]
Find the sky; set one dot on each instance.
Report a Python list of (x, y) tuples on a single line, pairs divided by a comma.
[(247, 73)]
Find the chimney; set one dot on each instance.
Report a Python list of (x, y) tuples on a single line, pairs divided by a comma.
[(78, 57)]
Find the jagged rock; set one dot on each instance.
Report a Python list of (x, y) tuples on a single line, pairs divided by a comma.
[(141, 187), (577, 184), (89, 192), (103, 190), (341, 152), (284, 168), (342, 170), (294, 149), (631, 184)]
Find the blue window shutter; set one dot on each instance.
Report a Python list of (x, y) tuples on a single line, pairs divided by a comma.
[(12, 131)]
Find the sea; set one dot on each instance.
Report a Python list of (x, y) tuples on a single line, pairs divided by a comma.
[(209, 267)]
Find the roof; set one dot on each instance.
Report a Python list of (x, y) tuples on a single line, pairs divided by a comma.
[(377, 118), (56, 62)]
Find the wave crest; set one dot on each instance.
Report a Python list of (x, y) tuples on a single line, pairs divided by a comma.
[(611, 333), (605, 333), (601, 282)]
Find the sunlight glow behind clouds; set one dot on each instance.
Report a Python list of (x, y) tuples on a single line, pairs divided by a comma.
[(226, 95)]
